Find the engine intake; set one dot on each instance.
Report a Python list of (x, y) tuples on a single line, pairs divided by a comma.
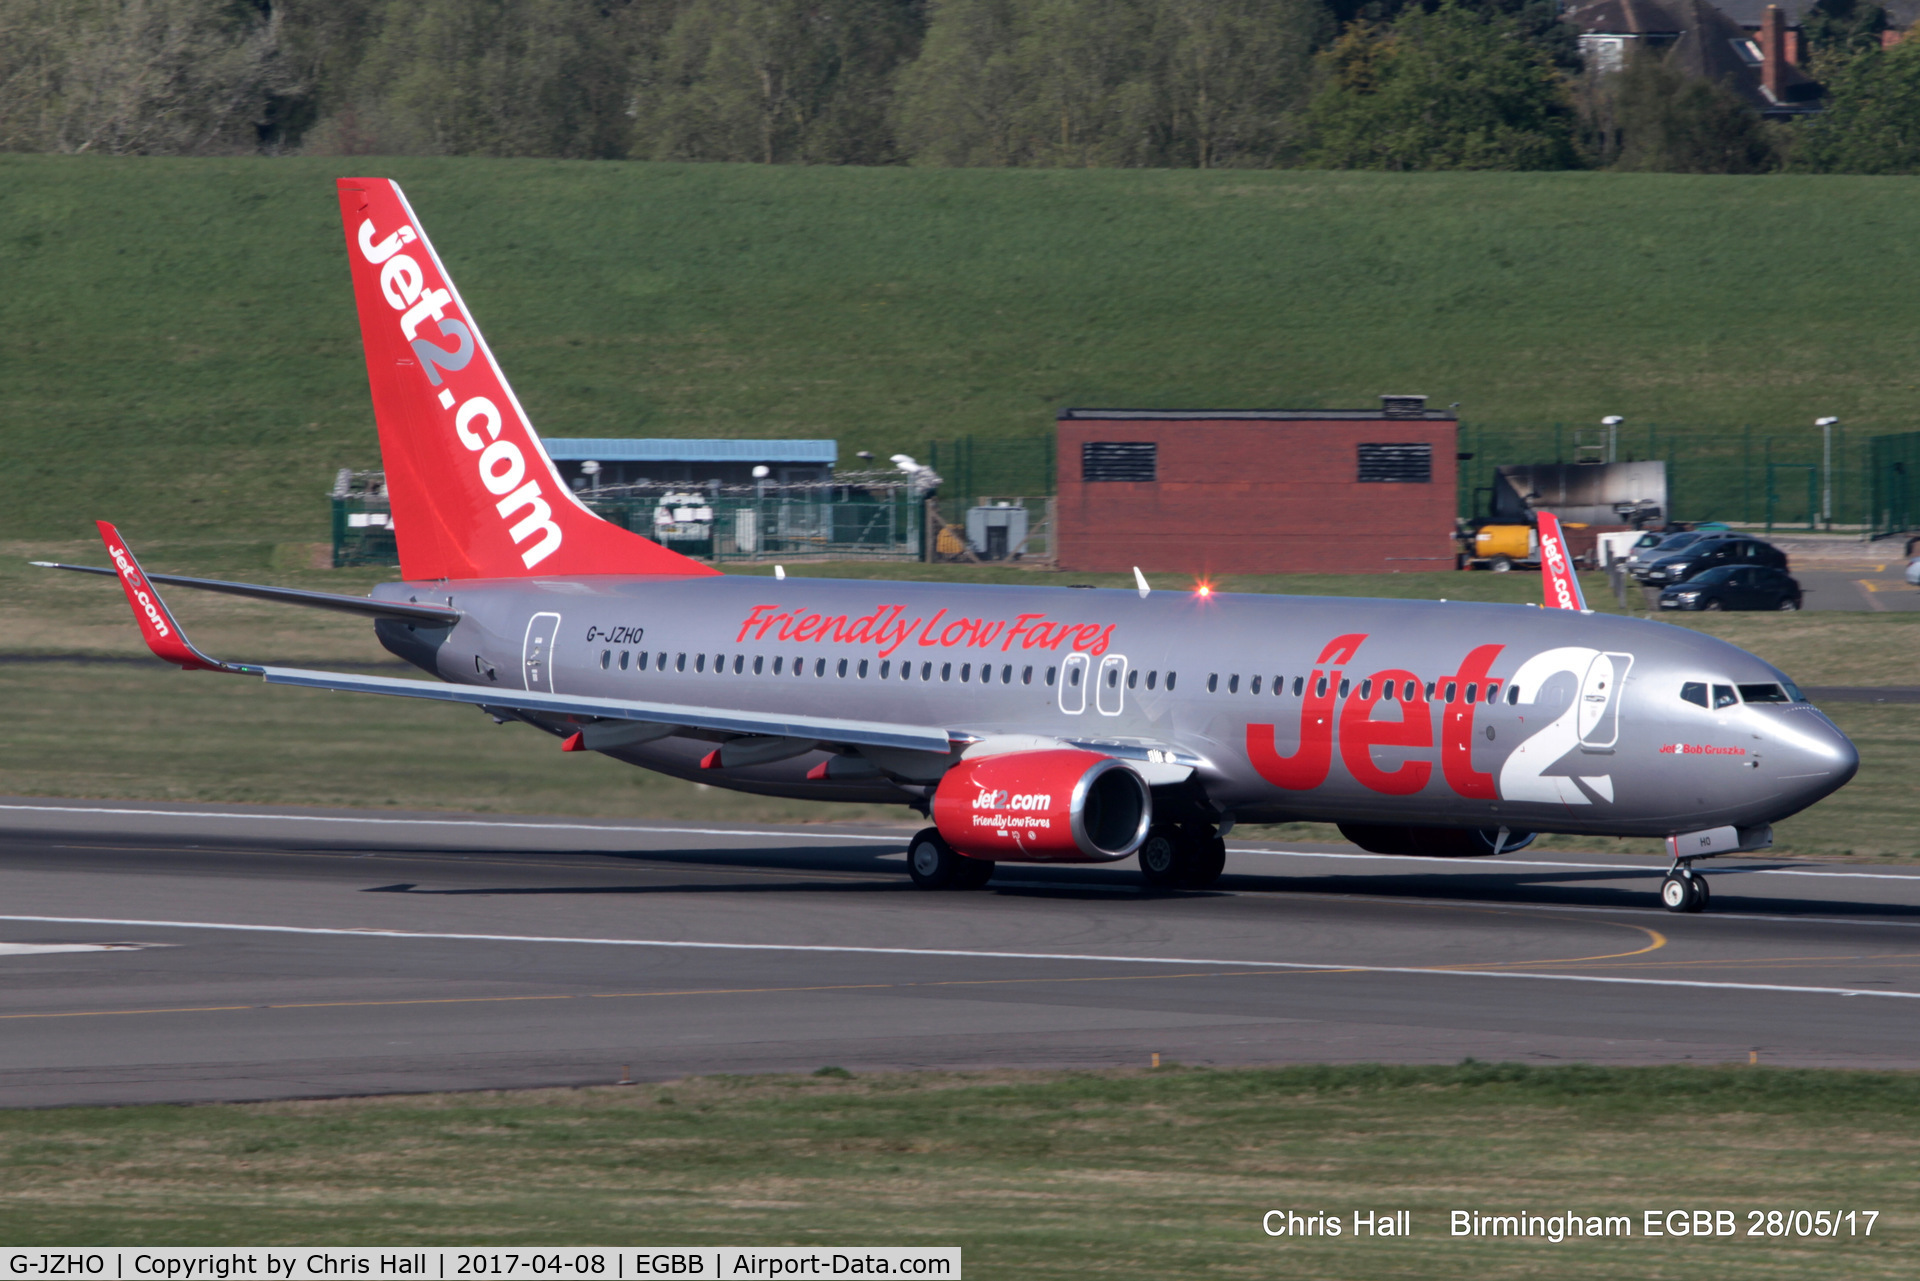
[(1057, 806)]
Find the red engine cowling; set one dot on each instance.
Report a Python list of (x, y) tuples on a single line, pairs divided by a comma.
[(1061, 806)]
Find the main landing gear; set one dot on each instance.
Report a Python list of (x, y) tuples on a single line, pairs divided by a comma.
[(1181, 857), (934, 865), (1684, 890)]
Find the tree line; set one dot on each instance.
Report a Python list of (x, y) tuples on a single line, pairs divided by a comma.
[(1367, 84)]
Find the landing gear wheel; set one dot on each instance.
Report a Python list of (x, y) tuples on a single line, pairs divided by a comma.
[(1163, 858), (932, 863), (1208, 861), (1675, 894), (1701, 894), (973, 874)]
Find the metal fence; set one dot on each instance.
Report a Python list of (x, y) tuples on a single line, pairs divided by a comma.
[(1765, 476), (972, 469)]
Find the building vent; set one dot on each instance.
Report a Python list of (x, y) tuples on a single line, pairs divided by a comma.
[(1397, 464), (1124, 460), (1403, 406)]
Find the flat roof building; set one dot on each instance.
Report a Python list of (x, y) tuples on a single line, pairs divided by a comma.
[(1258, 491), (632, 461)]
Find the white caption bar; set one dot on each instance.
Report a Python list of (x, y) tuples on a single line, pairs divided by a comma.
[(454, 1263)]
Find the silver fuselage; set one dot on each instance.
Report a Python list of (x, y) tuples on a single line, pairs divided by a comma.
[(1596, 739)]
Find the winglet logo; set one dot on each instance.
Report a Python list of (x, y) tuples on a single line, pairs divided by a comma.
[(1563, 589), (137, 587)]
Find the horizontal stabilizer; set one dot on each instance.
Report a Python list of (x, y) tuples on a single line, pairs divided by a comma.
[(432, 615)]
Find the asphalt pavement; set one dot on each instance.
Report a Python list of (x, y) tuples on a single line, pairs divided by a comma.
[(178, 953)]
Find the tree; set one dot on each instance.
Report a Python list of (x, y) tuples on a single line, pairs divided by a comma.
[(778, 80), (1654, 118), (1236, 72), (1450, 89), (138, 77), (1872, 121)]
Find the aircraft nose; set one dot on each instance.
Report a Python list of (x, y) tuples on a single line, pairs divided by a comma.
[(1815, 758)]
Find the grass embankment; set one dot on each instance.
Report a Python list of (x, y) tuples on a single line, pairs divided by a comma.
[(132, 728), (1163, 1173), (178, 347)]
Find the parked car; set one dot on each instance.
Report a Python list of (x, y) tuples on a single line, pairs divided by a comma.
[(1735, 587), (1656, 546), (1711, 551)]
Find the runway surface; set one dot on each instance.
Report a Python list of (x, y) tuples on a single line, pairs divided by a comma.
[(175, 953)]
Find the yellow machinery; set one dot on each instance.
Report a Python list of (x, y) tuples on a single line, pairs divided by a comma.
[(1500, 547)]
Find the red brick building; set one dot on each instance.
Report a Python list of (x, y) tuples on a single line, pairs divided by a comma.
[(1258, 491)]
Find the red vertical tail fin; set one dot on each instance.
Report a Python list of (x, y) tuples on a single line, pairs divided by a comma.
[(1556, 567), (474, 494)]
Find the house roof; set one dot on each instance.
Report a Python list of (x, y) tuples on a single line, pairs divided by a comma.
[(1900, 13), (1711, 45), (654, 450)]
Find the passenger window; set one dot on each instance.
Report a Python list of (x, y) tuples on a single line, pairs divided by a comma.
[(1233, 683), (777, 660), (1213, 682), (606, 658), (625, 659), (799, 665), (1150, 677), (1344, 686), (739, 664), (1763, 694), (819, 667), (885, 668), (1723, 696), (699, 662), (1279, 686), (1320, 690), (643, 659), (1429, 691), (1366, 688), (1513, 695), (680, 663), (1006, 674), (966, 672), (1472, 691), (1493, 691), (840, 669), (863, 669), (1113, 678), (759, 665), (1073, 677), (1410, 691), (946, 671), (926, 671), (1299, 683), (1170, 678), (1026, 677), (1050, 675), (1452, 689), (1386, 690), (1133, 679), (1255, 687)]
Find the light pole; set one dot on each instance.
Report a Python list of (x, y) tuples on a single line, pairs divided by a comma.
[(1826, 488), (1612, 423)]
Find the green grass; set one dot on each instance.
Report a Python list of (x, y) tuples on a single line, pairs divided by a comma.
[(178, 347), (1119, 1173)]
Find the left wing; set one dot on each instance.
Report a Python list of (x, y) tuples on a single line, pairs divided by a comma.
[(166, 639)]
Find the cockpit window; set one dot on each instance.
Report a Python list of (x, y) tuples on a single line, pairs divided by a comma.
[(1793, 691), (1695, 692), (1723, 696), (1763, 694)]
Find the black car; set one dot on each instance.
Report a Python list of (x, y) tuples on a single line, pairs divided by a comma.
[(1728, 549), (1734, 587)]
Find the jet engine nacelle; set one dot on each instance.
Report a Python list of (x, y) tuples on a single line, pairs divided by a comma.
[(1059, 806), (1434, 842)]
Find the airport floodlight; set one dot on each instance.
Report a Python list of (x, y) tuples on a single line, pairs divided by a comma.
[(1612, 420), (1825, 422), (761, 471)]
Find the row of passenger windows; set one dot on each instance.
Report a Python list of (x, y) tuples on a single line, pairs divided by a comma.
[(861, 669), (1700, 694), (1390, 691)]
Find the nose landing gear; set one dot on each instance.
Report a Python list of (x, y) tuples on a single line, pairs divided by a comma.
[(1684, 890)]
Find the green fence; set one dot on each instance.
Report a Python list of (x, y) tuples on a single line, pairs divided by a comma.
[(1892, 464), (1753, 475), (971, 469)]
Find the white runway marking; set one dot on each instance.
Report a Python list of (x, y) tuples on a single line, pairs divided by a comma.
[(1323, 967), (1651, 869), (785, 834), (39, 949)]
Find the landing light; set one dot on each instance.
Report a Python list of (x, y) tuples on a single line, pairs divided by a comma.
[(1203, 589)]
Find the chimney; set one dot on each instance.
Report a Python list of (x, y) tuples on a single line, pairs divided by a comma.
[(1773, 53), (1797, 46)]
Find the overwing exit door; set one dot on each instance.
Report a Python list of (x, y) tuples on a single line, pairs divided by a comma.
[(537, 654)]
